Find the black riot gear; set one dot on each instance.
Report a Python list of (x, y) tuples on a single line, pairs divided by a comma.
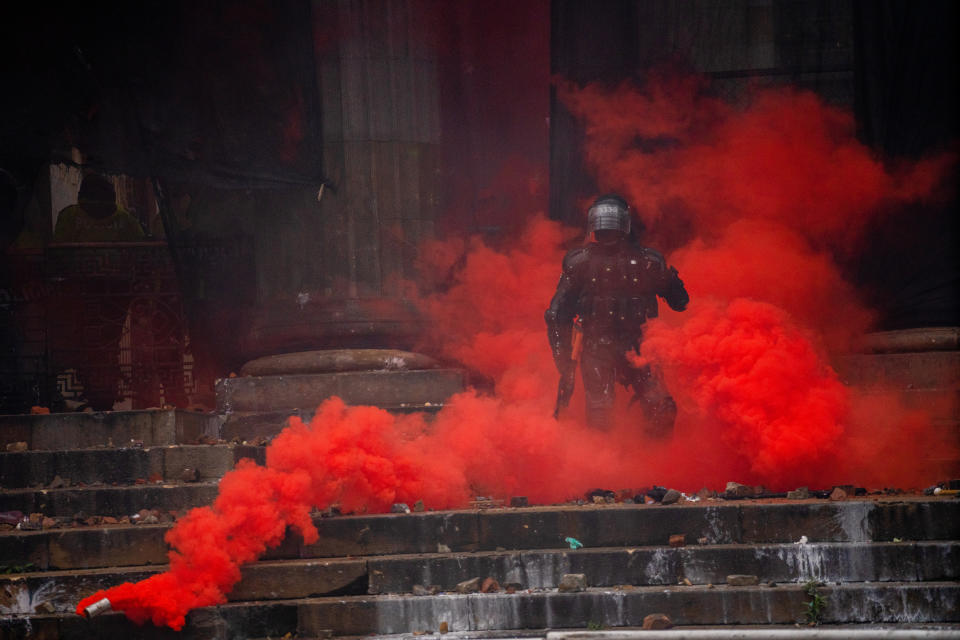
[(612, 286), (609, 213)]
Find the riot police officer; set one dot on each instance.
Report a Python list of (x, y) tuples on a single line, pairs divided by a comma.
[(610, 286)]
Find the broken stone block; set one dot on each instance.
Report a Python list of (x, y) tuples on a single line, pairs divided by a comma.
[(519, 501), (800, 493), (49, 523), (678, 540), (670, 497), (490, 585), (469, 586), (16, 446), (656, 493), (420, 590), (742, 580), (110, 520), (657, 621), (418, 506), (45, 607), (737, 490), (705, 493), (838, 494), (512, 587), (572, 583), (444, 627), (399, 507), (189, 474)]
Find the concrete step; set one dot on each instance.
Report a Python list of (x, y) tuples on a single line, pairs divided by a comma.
[(887, 603), (740, 522), (108, 500), (121, 465), (59, 431), (916, 370), (59, 591), (307, 391), (702, 565), (697, 605)]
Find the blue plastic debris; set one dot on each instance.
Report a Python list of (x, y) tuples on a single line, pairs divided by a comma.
[(573, 542)]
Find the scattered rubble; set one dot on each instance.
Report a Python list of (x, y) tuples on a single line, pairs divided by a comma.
[(490, 585), (572, 583), (512, 587), (469, 586), (742, 580), (678, 540), (838, 494), (17, 446), (189, 474), (670, 497), (399, 507), (737, 490), (800, 493), (418, 506), (656, 621)]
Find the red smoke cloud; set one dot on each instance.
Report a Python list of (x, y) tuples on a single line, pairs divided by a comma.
[(757, 200)]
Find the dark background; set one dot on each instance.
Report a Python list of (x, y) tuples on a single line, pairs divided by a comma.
[(226, 95)]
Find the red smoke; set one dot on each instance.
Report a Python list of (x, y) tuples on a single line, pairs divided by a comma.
[(758, 200)]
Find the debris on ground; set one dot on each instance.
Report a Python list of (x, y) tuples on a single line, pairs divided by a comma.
[(469, 586), (490, 585), (678, 540), (39, 411), (574, 543), (399, 507), (742, 580), (737, 490), (59, 483), (672, 496), (189, 474), (838, 494), (444, 627), (512, 587), (572, 583), (657, 621), (800, 493), (17, 446), (418, 506), (600, 496)]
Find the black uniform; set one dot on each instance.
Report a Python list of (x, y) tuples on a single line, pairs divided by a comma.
[(613, 288)]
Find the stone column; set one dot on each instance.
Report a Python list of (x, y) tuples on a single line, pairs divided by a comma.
[(379, 96)]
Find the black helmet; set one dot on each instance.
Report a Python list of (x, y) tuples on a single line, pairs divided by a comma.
[(609, 212)]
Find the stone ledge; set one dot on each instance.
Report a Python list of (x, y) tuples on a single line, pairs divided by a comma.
[(307, 392)]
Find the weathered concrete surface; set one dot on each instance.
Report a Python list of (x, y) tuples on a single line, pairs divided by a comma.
[(85, 548), (910, 340), (466, 531), (120, 465), (395, 533), (337, 360), (59, 431), (59, 591), (227, 622), (709, 564), (926, 370), (378, 388), (108, 501), (696, 605)]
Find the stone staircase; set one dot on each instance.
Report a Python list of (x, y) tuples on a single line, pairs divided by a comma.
[(880, 559)]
